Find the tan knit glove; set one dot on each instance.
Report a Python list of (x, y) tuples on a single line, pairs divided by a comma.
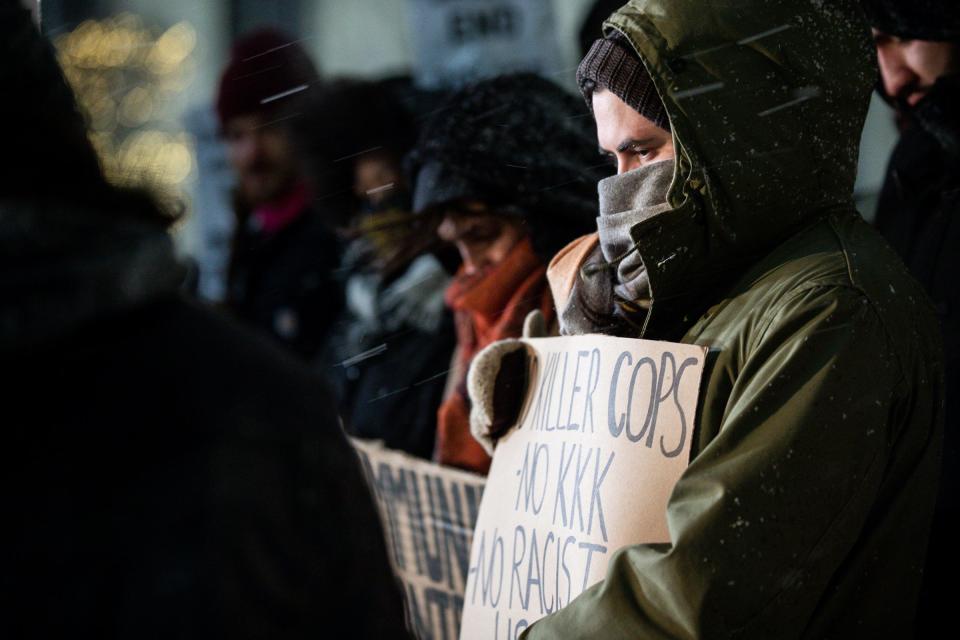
[(497, 383)]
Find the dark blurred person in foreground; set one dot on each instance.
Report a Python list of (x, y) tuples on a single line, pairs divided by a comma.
[(510, 168), (141, 501), (918, 49), (390, 349), (281, 276)]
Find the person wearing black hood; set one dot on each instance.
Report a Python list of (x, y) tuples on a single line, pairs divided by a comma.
[(918, 49), (510, 167), (141, 501), (388, 350)]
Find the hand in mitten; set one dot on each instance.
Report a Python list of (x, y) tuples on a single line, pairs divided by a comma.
[(497, 384)]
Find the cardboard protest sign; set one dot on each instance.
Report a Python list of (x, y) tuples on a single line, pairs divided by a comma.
[(428, 515), (604, 435)]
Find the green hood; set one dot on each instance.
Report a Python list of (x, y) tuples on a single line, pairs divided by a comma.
[(793, 80)]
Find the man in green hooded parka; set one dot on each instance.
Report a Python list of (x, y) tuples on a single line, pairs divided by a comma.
[(805, 510)]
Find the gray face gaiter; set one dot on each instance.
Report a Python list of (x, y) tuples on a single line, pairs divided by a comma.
[(614, 269), (626, 200)]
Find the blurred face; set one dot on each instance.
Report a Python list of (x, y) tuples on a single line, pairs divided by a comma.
[(626, 137), (482, 238), (262, 156), (376, 176), (910, 67)]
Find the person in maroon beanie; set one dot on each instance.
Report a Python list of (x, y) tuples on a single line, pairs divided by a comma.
[(284, 252)]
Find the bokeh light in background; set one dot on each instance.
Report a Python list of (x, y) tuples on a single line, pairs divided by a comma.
[(126, 75)]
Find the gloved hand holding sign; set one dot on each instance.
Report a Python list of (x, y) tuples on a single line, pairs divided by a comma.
[(497, 383)]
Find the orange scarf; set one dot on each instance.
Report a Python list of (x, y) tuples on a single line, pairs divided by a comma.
[(487, 307)]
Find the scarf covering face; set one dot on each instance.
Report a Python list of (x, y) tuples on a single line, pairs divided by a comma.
[(627, 200), (487, 307), (414, 300), (611, 292)]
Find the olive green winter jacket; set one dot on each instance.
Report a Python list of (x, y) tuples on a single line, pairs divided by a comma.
[(805, 510)]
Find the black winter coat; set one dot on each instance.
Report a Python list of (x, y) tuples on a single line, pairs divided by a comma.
[(919, 214), (285, 283), (169, 475), (164, 473), (389, 363)]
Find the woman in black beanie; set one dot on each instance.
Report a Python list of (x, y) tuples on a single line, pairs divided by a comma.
[(510, 166)]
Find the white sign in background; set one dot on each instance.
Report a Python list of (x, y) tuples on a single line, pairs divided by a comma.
[(458, 41)]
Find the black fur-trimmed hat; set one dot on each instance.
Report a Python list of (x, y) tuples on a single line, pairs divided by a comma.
[(612, 64), (521, 145)]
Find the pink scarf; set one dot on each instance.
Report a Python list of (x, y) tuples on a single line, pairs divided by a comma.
[(274, 216)]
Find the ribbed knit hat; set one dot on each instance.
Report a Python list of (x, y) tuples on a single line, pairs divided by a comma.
[(613, 65), (267, 69)]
